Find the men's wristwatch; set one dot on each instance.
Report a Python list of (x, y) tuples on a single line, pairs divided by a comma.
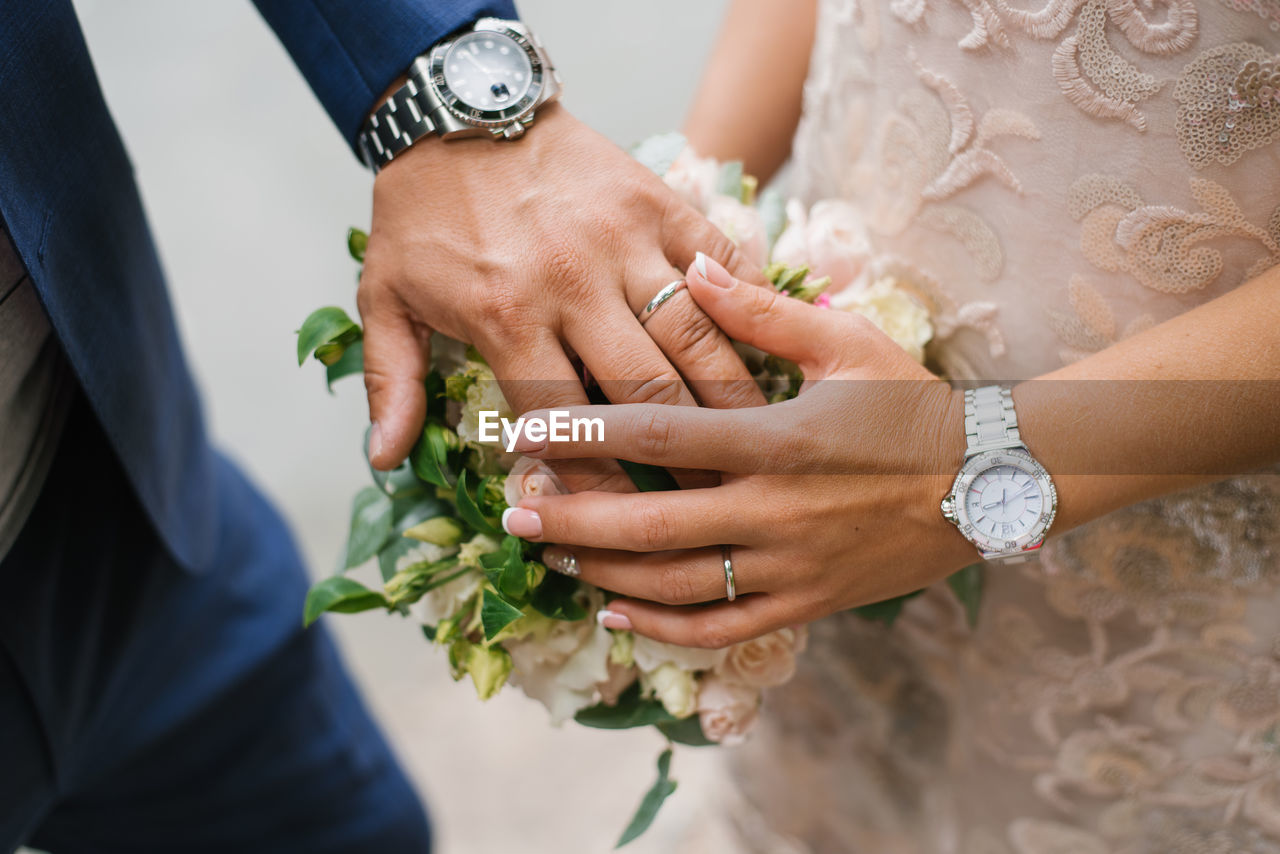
[(486, 82), (1003, 501)]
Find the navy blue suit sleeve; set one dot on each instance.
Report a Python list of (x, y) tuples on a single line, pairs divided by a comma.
[(350, 51)]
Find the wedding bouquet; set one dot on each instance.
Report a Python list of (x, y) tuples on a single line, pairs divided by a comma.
[(485, 598)]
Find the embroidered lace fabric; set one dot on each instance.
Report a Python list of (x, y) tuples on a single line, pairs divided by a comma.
[(1051, 179)]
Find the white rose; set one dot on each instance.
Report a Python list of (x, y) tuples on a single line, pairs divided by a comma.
[(562, 668), (651, 654), (765, 661), (741, 224), (693, 178), (674, 687), (894, 311), (830, 238), (482, 395), (727, 710), (530, 478)]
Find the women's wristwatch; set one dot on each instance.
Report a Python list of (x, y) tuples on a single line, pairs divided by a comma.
[(486, 82), (1003, 501)]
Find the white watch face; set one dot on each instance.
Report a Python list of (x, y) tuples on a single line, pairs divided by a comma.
[(487, 73), (1004, 501)]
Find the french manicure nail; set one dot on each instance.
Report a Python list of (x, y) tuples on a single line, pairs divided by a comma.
[(700, 262), (519, 522), (561, 560), (613, 620), (713, 272)]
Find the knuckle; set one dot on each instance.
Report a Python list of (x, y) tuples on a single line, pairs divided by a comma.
[(655, 434), (651, 526), (501, 316), (689, 334), (663, 389), (713, 632), (676, 585)]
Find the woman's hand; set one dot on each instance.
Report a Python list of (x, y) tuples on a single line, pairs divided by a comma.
[(829, 500)]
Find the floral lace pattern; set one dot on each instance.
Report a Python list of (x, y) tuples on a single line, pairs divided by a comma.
[(1051, 181)]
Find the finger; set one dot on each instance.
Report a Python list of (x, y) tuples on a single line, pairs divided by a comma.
[(714, 626), (774, 322), (395, 365), (671, 578), (537, 373), (685, 233), (672, 437), (624, 360), (697, 348), (644, 522)]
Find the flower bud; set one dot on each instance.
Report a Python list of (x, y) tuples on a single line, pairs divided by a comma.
[(440, 531)]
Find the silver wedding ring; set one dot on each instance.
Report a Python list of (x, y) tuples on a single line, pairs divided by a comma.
[(658, 299), (730, 589)]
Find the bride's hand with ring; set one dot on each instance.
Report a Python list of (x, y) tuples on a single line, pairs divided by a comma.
[(827, 501)]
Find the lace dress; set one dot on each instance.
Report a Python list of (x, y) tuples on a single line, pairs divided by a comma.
[(1051, 179)]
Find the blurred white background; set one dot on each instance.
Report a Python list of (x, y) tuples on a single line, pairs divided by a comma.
[(250, 191)]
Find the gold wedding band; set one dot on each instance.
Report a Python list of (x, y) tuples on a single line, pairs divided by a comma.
[(658, 299), (730, 589)]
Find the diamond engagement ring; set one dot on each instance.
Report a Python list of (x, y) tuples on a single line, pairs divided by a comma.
[(730, 589), (658, 299)]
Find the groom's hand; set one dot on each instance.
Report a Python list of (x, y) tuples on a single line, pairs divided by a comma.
[(528, 250)]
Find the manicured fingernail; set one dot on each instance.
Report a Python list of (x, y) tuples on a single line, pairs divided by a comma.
[(713, 272), (375, 440), (519, 522), (561, 560), (525, 445), (613, 620)]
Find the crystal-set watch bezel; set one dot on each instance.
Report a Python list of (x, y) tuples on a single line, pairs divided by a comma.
[(474, 116), (954, 509)]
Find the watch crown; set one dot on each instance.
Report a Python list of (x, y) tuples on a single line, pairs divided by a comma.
[(949, 508), (515, 130)]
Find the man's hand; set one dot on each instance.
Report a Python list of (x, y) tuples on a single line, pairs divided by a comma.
[(530, 250)]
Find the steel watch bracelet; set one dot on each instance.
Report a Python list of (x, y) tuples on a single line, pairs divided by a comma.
[(989, 419), (403, 119)]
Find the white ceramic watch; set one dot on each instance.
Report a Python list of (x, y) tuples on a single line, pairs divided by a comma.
[(1003, 501)]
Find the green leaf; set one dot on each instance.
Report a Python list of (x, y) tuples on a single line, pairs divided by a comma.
[(471, 514), (967, 585), (342, 595), (631, 710), (370, 525), (648, 478), (729, 181), (685, 731), (352, 362), (429, 457), (773, 213), (396, 549), (557, 597), (323, 326), (652, 801), (658, 152), (357, 243), (496, 614), (887, 611)]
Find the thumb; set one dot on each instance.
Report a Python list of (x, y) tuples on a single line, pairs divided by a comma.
[(764, 318), (395, 366)]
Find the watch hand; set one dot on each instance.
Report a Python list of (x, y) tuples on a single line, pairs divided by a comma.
[(991, 506), (476, 63)]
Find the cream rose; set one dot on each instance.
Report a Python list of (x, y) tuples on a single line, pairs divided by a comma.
[(650, 654), (765, 661), (530, 478), (830, 238), (894, 311), (482, 395), (727, 710), (562, 665), (693, 178), (674, 687), (741, 224)]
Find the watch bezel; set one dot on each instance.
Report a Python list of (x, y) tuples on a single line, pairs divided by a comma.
[(488, 119), (955, 510)]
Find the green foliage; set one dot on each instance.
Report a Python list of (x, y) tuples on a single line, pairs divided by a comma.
[(631, 710), (496, 613), (557, 597), (648, 478), (341, 595), (350, 362), (470, 512), (659, 152), (685, 731), (370, 525), (357, 243), (327, 332), (661, 789)]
